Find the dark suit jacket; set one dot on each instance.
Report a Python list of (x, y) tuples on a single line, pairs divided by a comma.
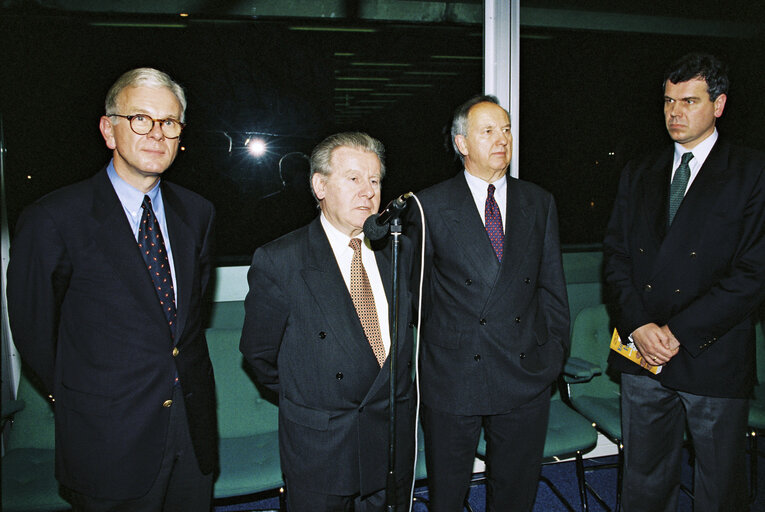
[(85, 317), (494, 335), (304, 340), (704, 276)]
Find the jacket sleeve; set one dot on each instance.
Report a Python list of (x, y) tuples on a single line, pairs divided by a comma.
[(38, 277), (266, 314), (553, 297), (618, 260)]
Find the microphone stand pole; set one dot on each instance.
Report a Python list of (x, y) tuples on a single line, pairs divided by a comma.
[(390, 485)]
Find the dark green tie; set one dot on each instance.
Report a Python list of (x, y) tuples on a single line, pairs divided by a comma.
[(679, 184)]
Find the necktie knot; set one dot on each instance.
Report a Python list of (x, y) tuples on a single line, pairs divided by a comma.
[(355, 244), (492, 188), (146, 205), (686, 158)]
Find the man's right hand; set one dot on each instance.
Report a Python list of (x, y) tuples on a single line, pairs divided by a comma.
[(652, 342)]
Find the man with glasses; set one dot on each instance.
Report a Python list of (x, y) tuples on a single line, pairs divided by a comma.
[(105, 288)]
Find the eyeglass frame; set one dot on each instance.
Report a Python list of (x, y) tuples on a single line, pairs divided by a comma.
[(153, 121)]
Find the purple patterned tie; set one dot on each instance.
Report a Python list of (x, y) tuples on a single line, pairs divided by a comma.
[(494, 223), (152, 247)]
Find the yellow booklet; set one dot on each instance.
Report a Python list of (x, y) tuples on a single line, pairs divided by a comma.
[(631, 352)]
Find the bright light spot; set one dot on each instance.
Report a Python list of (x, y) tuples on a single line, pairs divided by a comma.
[(183, 148), (29, 176), (256, 147)]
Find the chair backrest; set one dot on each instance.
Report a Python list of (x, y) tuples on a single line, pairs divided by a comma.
[(590, 341), (227, 315), (242, 409), (760, 340), (34, 425)]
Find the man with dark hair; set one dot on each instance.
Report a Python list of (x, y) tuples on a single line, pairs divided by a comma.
[(685, 257), (317, 332), (495, 325), (105, 290)]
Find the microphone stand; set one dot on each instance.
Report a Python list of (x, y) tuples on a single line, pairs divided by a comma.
[(390, 485)]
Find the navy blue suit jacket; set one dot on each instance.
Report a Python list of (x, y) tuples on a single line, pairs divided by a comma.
[(704, 276), (86, 319)]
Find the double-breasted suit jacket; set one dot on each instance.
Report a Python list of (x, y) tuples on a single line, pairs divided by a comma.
[(494, 335), (304, 340), (86, 319), (704, 276)]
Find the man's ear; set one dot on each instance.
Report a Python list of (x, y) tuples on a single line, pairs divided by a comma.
[(720, 104), (459, 140), (107, 131), (319, 184)]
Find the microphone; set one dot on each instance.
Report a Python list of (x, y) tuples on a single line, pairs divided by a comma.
[(376, 226)]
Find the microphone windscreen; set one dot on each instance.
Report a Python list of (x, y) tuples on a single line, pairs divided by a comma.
[(373, 230)]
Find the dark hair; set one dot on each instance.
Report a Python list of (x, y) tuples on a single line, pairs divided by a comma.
[(703, 66), (460, 120)]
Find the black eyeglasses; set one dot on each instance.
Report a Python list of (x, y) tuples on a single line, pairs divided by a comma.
[(142, 124)]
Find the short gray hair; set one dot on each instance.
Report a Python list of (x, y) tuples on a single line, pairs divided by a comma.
[(143, 77), (321, 156), (460, 121)]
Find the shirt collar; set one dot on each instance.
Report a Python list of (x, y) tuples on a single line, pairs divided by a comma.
[(130, 197), (700, 152)]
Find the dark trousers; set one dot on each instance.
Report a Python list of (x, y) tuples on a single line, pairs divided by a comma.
[(180, 485), (654, 419), (514, 446), (301, 500)]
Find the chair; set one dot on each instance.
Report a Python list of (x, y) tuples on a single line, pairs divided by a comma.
[(592, 392), (756, 413), (248, 425), (28, 480)]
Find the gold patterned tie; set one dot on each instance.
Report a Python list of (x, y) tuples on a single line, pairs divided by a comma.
[(364, 302)]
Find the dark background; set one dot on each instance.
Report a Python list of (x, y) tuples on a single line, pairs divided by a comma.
[(589, 101)]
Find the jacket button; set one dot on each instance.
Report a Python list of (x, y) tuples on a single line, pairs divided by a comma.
[(175, 351), (647, 288), (517, 319), (641, 250), (693, 254), (677, 291), (167, 403), (468, 282), (322, 334), (482, 321), (339, 376), (527, 280), (523, 355), (411, 325), (477, 357)]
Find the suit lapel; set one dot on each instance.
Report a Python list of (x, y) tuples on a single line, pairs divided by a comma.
[(182, 245), (323, 278), (115, 238), (690, 220), (467, 231), (518, 226), (655, 194)]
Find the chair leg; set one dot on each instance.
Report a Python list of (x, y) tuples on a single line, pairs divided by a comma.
[(753, 456), (619, 476), (581, 481), (282, 500)]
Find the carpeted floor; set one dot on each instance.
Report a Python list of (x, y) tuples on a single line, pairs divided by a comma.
[(563, 476)]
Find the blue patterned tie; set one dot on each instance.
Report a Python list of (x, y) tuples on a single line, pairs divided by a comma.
[(153, 250), (494, 223), (679, 184)]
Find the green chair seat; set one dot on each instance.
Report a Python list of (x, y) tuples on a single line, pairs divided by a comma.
[(29, 484), (249, 465), (604, 412)]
